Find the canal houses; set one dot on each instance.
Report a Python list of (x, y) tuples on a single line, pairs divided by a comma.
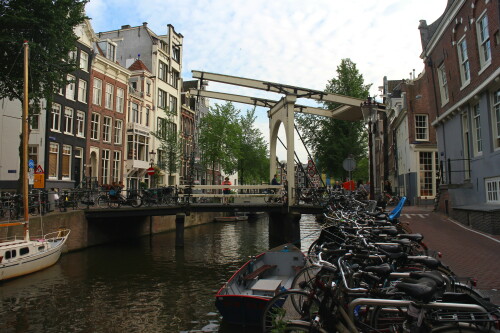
[(107, 115), (162, 54)]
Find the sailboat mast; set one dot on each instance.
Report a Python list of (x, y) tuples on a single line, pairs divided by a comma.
[(24, 159)]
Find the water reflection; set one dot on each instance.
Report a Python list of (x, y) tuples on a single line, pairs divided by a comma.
[(142, 285)]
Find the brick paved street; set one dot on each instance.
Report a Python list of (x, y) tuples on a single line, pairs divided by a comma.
[(468, 253)]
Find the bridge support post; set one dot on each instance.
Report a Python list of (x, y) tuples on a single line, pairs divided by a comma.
[(284, 228), (180, 218)]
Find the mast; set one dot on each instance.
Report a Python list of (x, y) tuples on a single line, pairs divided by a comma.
[(24, 159)]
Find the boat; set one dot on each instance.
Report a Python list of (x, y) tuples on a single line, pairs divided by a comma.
[(231, 218), (242, 299), (22, 256)]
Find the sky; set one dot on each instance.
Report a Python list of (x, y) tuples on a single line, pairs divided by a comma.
[(292, 42)]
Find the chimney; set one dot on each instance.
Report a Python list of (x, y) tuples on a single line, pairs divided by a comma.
[(145, 24), (126, 26)]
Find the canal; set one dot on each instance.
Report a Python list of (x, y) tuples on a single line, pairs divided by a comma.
[(142, 285)]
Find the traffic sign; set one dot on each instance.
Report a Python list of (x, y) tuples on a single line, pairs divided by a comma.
[(39, 170), (151, 171), (31, 164), (39, 181), (349, 164)]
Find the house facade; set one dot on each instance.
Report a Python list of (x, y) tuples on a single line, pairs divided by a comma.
[(460, 53), (162, 54)]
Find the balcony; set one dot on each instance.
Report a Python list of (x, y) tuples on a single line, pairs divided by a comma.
[(138, 128)]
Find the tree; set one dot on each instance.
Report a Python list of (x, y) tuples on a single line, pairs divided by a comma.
[(253, 165), (219, 138), (333, 140)]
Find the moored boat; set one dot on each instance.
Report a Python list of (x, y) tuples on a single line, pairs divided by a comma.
[(242, 299)]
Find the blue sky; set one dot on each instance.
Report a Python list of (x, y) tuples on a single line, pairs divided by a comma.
[(292, 42)]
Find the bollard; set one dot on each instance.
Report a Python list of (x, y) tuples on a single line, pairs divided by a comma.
[(179, 229)]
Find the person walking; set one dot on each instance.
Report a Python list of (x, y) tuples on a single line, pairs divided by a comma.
[(274, 181), (226, 190)]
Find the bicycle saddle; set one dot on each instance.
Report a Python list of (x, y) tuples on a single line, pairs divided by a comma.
[(429, 262), (422, 290), (433, 275), (380, 270), (413, 237)]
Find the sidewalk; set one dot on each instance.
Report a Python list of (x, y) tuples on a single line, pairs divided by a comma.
[(469, 253)]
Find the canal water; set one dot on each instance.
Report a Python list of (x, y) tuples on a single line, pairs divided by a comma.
[(143, 285)]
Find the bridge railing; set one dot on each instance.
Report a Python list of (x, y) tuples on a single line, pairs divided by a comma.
[(237, 191)]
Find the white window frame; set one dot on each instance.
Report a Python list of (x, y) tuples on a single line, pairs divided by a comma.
[(117, 158), (492, 188), (82, 91), (80, 124), (68, 120), (109, 96), (56, 117), (476, 130), (424, 128), (120, 97), (483, 40), (118, 135), (105, 165), (443, 85), (162, 99), (66, 154), (172, 102), (94, 126), (84, 61), (106, 129), (97, 91), (466, 144), (162, 71), (464, 64), (71, 87), (495, 119), (54, 149)]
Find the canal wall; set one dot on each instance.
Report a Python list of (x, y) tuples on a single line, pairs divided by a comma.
[(86, 233)]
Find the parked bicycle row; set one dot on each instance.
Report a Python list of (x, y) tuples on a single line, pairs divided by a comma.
[(367, 272)]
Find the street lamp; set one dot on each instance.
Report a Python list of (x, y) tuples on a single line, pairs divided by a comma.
[(369, 110)]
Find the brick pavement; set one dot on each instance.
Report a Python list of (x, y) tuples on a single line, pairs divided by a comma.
[(468, 253)]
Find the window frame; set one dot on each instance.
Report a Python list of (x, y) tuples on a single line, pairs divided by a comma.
[(162, 99), (463, 61), (69, 114), (84, 61), (97, 91), (95, 123), (443, 85), (495, 119), (477, 140), (105, 159), (54, 150), (107, 123), (120, 98), (424, 128), (80, 124), (108, 97), (483, 40), (70, 92), (492, 190), (118, 134), (56, 118), (116, 174), (82, 91), (66, 158)]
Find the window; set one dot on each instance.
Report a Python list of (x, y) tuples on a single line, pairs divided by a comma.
[(109, 97), (97, 92), (443, 84), (53, 160), (35, 121), (80, 124), (174, 78), (464, 61), (137, 147), (82, 91), (173, 105), (162, 71), (119, 100), (68, 120), (483, 40), (176, 53), (162, 99), (105, 166), (117, 157), (466, 144), (148, 88), (427, 174), (495, 119), (476, 130), (118, 132), (66, 162), (72, 56), (111, 52), (421, 131), (134, 113), (84, 61), (56, 117), (24, 250), (94, 126), (148, 113), (33, 153), (492, 186), (71, 88), (106, 129)]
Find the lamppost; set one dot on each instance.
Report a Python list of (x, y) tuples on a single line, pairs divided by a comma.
[(369, 110)]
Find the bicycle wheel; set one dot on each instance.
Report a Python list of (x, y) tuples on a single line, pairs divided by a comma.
[(135, 200), (287, 306), (102, 201), (114, 202), (305, 278), (301, 326), (387, 318)]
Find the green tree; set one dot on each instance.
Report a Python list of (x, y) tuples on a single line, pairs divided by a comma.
[(170, 145), (253, 165), (333, 140), (219, 138)]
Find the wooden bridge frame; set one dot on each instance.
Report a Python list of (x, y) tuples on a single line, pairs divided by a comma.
[(282, 112)]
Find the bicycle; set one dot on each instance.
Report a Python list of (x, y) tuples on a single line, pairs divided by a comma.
[(114, 198)]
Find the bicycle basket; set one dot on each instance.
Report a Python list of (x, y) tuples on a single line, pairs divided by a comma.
[(112, 192)]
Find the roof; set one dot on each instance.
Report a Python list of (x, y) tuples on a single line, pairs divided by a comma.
[(138, 65)]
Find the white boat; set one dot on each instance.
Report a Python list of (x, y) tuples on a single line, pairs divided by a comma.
[(19, 257)]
